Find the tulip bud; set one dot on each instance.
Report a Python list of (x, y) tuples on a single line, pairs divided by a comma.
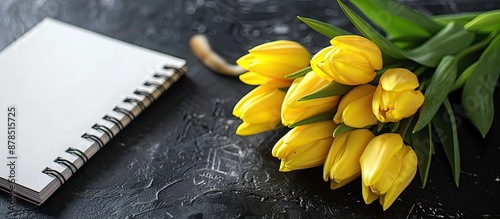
[(387, 168), (342, 163), (260, 109), (273, 61), (304, 146), (351, 60), (355, 107), (395, 97), (294, 111)]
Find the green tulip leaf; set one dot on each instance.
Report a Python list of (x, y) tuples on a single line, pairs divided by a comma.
[(477, 96), (331, 89), (380, 126), (423, 146), (326, 29), (465, 57), (446, 125), (395, 126), (438, 88), (485, 22), (316, 118), (405, 125), (397, 20), (459, 83), (340, 129), (386, 46), (459, 18), (284, 89), (279, 125), (299, 73), (450, 40)]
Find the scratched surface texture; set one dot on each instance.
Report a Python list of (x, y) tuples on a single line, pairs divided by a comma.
[(181, 158)]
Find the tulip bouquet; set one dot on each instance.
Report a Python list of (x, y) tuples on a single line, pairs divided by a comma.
[(367, 105)]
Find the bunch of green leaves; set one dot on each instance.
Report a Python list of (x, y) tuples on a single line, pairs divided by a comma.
[(448, 53)]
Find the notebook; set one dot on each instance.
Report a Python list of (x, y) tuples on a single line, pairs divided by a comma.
[(64, 93)]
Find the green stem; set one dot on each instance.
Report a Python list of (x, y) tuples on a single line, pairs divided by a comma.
[(405, 124), (419, 71), (395, 126), (473, 48), (423, 84)]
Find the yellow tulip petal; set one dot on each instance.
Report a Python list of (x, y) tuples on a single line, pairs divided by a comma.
[(347, 160), (312, 157), (377, 96), (304, 146), (360, 45), (262, 103), (404, 178), (290, 116), (368, 195), (358, 114), (337, 145), (396, 98), (334, 70), (407, 104), (291, 151), (273, 69), (355, 75), (390, 172), (300, 138), (282, 51), (273, 60), (253, 78), (245, 61), (283, 167), (398, 79), (335, 185), (376, 156), (251, 129), (302, 135), (354, 94), (331, 101), (388, 99), (316, 63), (277, 147), (292, 89), (350, 60), (247, 100), (304, 86), (287, 145), (266, 108)]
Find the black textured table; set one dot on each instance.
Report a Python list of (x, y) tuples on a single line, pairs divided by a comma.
[(181, 158)]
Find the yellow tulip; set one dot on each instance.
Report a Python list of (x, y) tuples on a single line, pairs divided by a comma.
[(351, 60), (273, 61), (354, 108), (260, 109), (294, 111), (342, 163), (304, 146), (387, 168), (395, 97)]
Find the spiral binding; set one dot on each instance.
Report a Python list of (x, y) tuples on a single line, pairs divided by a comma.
[(114, 120), (156, 85), (135, 101), (54, 173), (66, 163), (78, 153), (104, 129), (108, 132)]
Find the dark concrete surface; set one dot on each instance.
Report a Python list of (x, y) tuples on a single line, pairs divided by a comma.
[(181, 159)]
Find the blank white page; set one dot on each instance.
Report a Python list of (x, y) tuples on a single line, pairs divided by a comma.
[(62, 80)]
